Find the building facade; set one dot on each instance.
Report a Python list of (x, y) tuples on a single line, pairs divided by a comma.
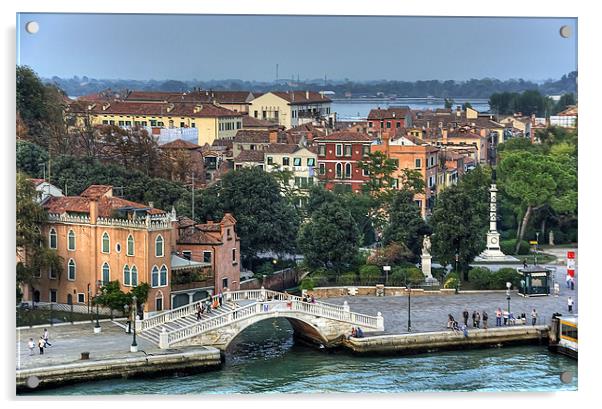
[(293, 108)]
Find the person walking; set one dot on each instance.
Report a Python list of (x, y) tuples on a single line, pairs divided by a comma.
[(31, 345), (485, 318), (568, 281), (570, 304), (46, 338), (478, 320), (198, 312), (498, 317), (533, 317), (524, 263), (41, 345), (573, 283), (465, 316)]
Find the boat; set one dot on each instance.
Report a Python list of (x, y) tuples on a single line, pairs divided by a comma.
[(563, 335)]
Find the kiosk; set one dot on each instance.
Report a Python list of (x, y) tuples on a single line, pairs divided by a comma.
[(535, 281)]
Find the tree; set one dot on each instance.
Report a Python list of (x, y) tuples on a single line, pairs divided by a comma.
[(564, 101), (448, 103), (466, 105), (532, 181), (31, 159), (266, 222), (330, 238), (380, 170), (406, 225)]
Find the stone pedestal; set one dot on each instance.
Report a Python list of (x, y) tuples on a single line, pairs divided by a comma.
[(426, 265), (97, 330)]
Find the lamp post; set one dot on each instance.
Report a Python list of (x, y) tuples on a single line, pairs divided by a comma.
[(409, 290), (134, 346), (508, 285), (536, 246), (458, 280), (97, 328), (126, 308)]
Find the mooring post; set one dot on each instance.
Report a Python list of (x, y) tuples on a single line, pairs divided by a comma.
[(164, 339)]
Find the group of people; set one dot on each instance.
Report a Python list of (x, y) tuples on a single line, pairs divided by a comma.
[(209, 305), (309, 298), (356, 333), (42, 343), (508, 318)]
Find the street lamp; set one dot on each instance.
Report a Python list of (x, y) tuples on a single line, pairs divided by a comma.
[(126, 308), (134, 346), (508, 285), (409, 290), (97, 328), (458, 277), (536, 246)]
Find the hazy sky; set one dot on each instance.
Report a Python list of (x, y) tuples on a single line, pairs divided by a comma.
[(185, 47)]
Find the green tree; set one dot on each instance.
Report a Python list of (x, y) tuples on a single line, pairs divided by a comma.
[(31, 159), (265, 221), (380, 170), (448, 103), (406, 225), (564, 101), (330, 238), (532, 181)]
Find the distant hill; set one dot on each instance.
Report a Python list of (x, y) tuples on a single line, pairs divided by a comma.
[(474, 88)]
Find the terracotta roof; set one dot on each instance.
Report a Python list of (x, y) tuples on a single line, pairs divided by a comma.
[(250, 156), (106, 205), (281, 148), (259, 136), (96, 191), (37, 182), (302, 97), (389, 113), (222, 142), (251, 122), (157, 96), (346, 136), (194, 235), (153, 108), (180, 144), (570, 110)]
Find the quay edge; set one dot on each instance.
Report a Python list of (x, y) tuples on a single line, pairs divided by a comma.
[(407, 344), (189, 361)]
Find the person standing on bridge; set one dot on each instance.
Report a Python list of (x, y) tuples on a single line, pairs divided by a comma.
[(220, 297), (465, 316), (198, 312), (478, 320), (498, 317)]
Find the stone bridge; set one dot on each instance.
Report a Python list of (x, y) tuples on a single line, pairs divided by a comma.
[(318, 322)]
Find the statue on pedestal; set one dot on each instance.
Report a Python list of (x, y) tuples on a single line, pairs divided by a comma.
[(426, 258), (426, 246)]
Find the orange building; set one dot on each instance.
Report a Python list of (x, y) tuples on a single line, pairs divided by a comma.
[(413, 153)]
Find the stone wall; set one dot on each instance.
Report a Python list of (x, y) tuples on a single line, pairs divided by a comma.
[(325, 292)]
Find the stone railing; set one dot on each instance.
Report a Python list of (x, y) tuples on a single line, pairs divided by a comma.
[(66, 218), (168, 338)]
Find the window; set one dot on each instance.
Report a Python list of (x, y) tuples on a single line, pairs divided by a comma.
[(130, 245), (128, 123), (106, 243), (228, 234), (224, 283), (81, 298), (255, 114), (286, 161), (348, 170), (270, 160), (193, 125), (159, 302), (155, 277), (71, 240), (322, 150), (322, 168), (53, 295), (159, 246), (348, 150), (418, 203), (144, 123), (382, 124), (207, 256), (111, 122), (365, 172), (389, 124), (418, 163), (153, 122), (52, 239), (366, 150), (163, 275), (394, 183), (121, 123), (339, 170), (127, 278), (311, 161), (182, 124), (159, 123), (105, 122), (134, 272), (398, 125), (339, 150), (432, 160), (370, 124), (264, 114), (118, 248), (106, 273), (187, 254), (233, 256), (71, 270), (52, 274), (297, 161)]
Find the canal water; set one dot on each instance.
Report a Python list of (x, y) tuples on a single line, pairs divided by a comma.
[(264, 359)]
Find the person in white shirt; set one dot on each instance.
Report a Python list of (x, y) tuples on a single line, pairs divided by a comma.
[(570, 303), (31, 345)]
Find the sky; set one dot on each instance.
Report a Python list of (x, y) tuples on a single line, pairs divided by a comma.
[(206, 47)]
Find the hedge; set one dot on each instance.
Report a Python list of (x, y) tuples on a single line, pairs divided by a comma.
[(370, 272), (508, 247)]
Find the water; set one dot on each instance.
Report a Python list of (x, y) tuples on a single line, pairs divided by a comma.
[(357, 110), (264, 359)]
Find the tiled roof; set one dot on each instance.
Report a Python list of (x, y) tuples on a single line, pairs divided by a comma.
[(180, 144), (96, 191), (106, 205), (37, 182), (154, 108), (281, 148), (227, 143), (250, 156), (389, 113), (252, 135), (302, 97), (346, 136), (251, 122)]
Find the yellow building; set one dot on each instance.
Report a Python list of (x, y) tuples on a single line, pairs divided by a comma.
[(212, 121), (291, 109), (297, 159)]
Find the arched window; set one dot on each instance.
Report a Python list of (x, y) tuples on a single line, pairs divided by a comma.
[(130, 245), (106, 242), (106, 273), (52, 239), (71, 270), (339, 170), (134, 272), (71, 240), (348, 170), (155, 277), (127, 279), (159, 246), (159, 301), (163, 275)]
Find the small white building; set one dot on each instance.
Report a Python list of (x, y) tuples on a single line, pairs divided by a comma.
[(46, 190)]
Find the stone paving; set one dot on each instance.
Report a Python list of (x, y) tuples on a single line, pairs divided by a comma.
[(429, 313), (69, 341)]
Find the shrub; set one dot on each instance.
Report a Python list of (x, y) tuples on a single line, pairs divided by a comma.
[(480, 277), (503, 275), (508, 247), (320, 277), (307, 284), (370, 273), (411, 273), (347, 278), (397, 276), (451, 281)]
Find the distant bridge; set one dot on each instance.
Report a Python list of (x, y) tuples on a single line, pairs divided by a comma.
[(318, 322)]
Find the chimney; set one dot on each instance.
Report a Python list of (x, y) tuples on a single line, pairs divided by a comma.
[(458, 111), (444, 133), (386, 137), (197, 109), (273, 136), (170, 107), (306, 94), (93, 211), (105, 106), (150, 204)]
